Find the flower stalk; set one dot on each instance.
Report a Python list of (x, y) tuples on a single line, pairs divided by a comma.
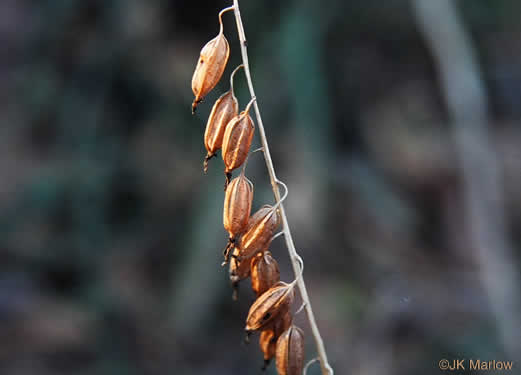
[(294, 257)]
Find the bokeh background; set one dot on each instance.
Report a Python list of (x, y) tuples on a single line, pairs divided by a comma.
[(395, 124)]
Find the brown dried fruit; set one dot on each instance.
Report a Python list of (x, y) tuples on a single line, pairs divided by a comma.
[(224, 109), (259, 231), (237, 208), (267, 344), (290, 352), (237, 205), (238, 271), (237, 141), (264, 273), (210, 66), (276, 300), (268, 337)]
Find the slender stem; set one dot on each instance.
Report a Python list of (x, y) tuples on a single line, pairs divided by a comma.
[(326, 368), (221, 18), (231, 78)]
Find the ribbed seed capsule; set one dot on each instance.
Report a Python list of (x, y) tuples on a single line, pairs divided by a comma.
[(237, 208), (237, 141), (237, 205), (237, 272), (259, 231), (289, 353), (224, 109), (211, 64), (267, 344), (276, 300), (264, 273), (268, 337)]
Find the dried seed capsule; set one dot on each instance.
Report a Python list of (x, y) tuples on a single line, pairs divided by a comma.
[(238, 271), (267, 344), (268, 337), (264, 273), (259, 231), (276, 300), (289, 353), (237, 140), (237, 208), (210, 66), (224, 109)]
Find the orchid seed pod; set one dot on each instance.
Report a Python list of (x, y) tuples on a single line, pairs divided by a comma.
[(224, 109), (238, 271), (237, 140), (289, 353), (211, 64), (267, 344), (276, 300), (268, 337), (264, 273), (237, 208), (259, 231)]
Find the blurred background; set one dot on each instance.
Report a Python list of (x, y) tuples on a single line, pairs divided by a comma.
[(395, 124)]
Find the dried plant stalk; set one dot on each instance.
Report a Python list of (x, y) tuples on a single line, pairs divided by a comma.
[(322, 355)]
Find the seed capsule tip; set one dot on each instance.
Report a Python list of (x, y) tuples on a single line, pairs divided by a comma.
[(195, 103), (205, 162), (226, 252), (247, 337), (228, 177)]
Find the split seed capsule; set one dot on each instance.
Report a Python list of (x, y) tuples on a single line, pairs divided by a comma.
[(289, 353), (268, 337), (258, 234), (237, 272), (275, 301)]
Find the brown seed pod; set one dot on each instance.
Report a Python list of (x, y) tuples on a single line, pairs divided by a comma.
[(237, 208), (267, 344), (237, 140), (264, 273), (211, 64), (259, 231), (224, 109), (238, 271), (289, 353), (276, 300), (268, 337)]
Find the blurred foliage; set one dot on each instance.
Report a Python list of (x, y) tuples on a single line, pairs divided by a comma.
[(110, 233)]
